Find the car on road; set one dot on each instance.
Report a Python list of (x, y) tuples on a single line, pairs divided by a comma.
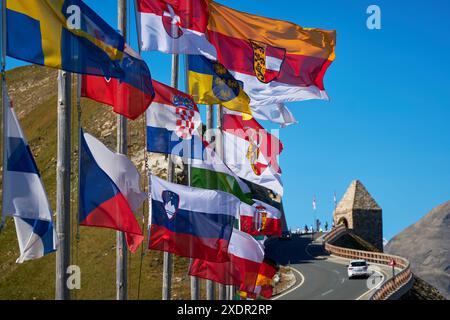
[(286, 235), (358, 268)]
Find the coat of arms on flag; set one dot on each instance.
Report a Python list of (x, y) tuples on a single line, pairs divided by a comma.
[(171, 203), (185, 110), (267, 61)]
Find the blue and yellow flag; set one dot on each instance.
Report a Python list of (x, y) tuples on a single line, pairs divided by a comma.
[(211, 83), (68, 35)]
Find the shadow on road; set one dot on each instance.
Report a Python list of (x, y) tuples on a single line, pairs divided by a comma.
[(293, 251)]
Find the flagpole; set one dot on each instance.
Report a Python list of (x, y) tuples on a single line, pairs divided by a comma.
[(210, 286), (195, 288), (223, 290), (122, 146), (4, 89), (63, 184)]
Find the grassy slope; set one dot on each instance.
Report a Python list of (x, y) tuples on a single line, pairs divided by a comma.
[(34, 92)]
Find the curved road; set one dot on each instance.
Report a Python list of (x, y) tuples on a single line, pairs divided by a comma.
[(321, 276)]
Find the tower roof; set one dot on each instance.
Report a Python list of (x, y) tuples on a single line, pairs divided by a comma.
[(357, 197)]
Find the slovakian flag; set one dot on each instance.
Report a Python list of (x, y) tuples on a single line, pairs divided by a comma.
[(260, 219), (251, 152), (245, 258), (278, 61), (173, 26), (172, 122), (109, 190), (125, 99), (191, 222), (69, 35), (24, 196)]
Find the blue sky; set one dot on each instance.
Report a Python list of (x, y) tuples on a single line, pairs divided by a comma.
[(387, 123)]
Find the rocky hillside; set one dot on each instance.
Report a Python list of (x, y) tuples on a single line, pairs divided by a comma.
[(427, 245), (33, 90)]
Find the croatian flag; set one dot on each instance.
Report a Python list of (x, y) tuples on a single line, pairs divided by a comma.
[(24, 195), (260, 219), (191, 222), (109, 190), (172, 122), (172, 26), (245, 258)]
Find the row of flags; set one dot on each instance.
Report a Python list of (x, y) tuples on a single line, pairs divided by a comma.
[(250, 65)]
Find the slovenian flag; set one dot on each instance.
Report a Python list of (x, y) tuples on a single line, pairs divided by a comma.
[(174, 26), (260, 219), (24, 195), (191, 222), (245, 258), (109, 190), (172, 122)]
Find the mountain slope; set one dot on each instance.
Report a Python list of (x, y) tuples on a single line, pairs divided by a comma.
[(33, 91), (427, 245)]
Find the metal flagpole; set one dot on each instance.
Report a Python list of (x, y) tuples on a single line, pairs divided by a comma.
[(122, 146), (4, 91), (168, 261), (63, 184), (210, 286), (195, 289), (223, 290)]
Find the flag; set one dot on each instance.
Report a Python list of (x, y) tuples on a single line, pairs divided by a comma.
[(211, 173), (24, 196), (260, 219), (172, 122), (251, 152), (277, 61), (126, 100), (314, 203), (173, 26), (264, 281), (211, 83), (109, 190), (245, 257), (191, 222), (276, 113), (68, 35)]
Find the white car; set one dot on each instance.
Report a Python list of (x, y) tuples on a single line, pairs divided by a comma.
[(358, 268)]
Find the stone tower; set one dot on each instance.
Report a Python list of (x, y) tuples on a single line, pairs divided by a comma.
[(358, 211)]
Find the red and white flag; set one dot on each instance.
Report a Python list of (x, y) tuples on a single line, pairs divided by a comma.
[(124, 98), (173, 26), (246, 256), (251, 152), (260, 219)]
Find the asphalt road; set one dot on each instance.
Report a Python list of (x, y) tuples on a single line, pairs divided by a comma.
[(320, 276)]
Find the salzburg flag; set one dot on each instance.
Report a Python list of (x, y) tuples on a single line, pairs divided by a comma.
[(245, 258), (109, 190), (260, 219), (251, 152), (173, 26), (191, 222), (278, 61)]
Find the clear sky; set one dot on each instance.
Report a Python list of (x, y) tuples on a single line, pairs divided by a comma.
[(388, 121)]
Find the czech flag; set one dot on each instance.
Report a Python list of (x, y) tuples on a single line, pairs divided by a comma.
[(191, 222), (109, 190)]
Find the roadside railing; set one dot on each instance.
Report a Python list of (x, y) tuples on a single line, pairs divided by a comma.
[(401, 282)]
